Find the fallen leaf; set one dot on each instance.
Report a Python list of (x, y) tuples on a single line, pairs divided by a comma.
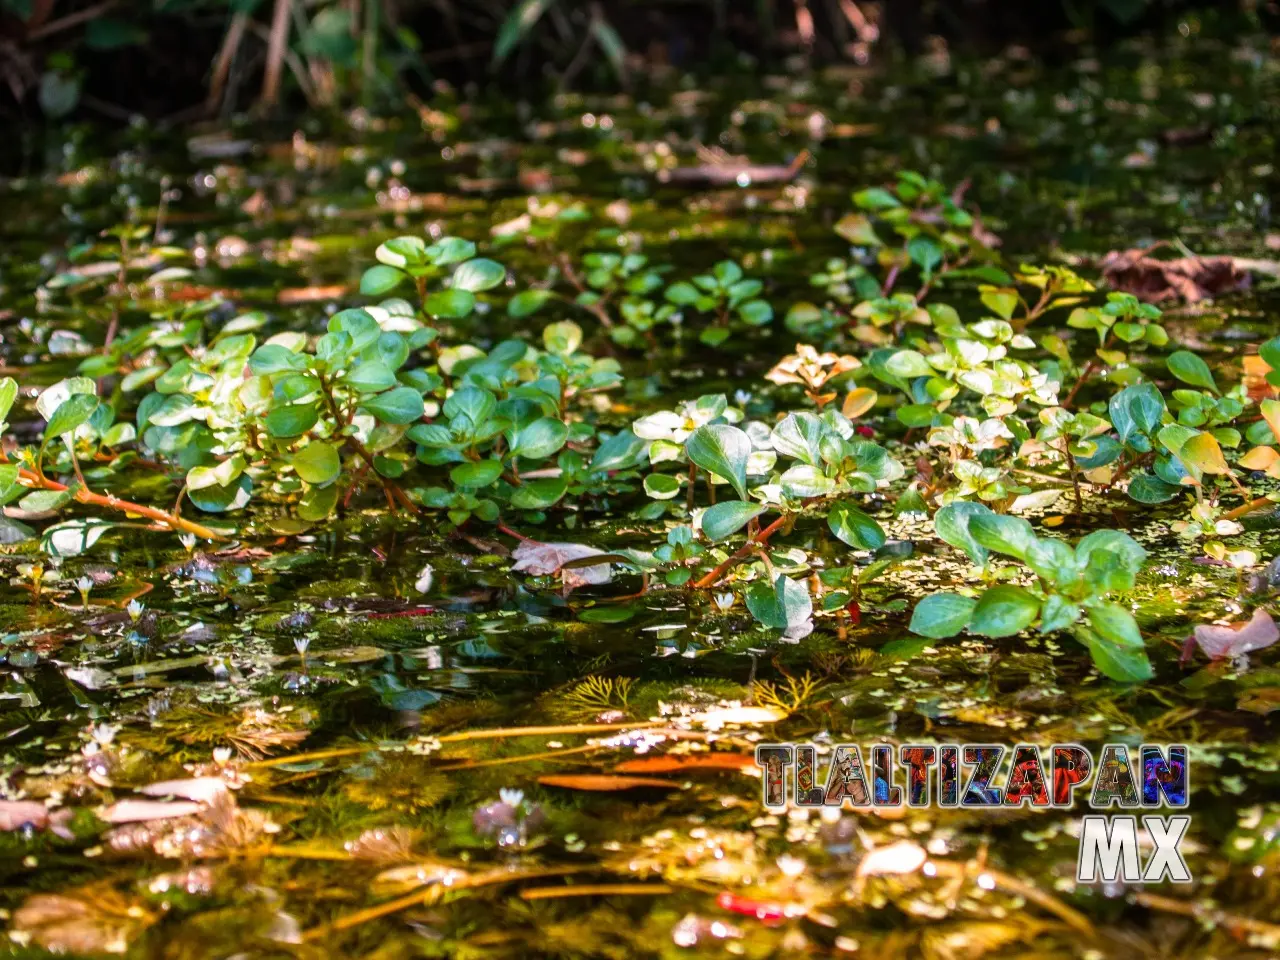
[(1261, 701), (198, 789), (896, 858), (604, 782), (1190, 279), (693, 761), (93, 920), (137, 811), (545, 559), (1232, 640), (16, 814)]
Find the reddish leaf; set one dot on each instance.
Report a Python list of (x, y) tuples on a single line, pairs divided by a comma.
[(1234, 639), (694, 761)]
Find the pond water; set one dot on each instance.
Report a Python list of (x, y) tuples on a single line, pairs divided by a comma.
[(365, 684)]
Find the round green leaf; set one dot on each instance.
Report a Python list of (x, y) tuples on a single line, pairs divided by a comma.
[(401, 405), (725, 519), (479, 274), (318, 462), (1003, 611), (476, 475), (380, 280), (942, 615)]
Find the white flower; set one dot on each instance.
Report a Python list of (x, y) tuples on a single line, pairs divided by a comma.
[(134, 609), (512, 798), (84, 584), (723, 601)]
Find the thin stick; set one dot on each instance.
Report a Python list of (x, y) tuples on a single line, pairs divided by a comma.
[(71, 20), (490, 879), (277, 44), (1247, 508), (597, 890), (1234, 922), (493, 734), (222, 65), (84, 495)]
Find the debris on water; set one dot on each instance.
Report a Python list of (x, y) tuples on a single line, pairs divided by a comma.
[(1226, 642)]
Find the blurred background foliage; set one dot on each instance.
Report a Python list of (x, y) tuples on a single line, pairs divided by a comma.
[(189, 59)]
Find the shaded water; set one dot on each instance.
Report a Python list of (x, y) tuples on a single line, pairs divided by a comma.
[(358, 683)]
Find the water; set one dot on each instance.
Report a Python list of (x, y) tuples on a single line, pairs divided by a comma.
[(362, 709)]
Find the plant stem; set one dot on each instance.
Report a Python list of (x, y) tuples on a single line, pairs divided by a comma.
[(86, 496), (743, 552)]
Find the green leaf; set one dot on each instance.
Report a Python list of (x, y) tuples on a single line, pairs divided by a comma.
[(1000, 302), (539, 439), (783, 605), (380, 280), (722, 450), (73, 537), (1003, 611), (661, 486), (517, 26), (925, 252), (527, 302), (318, 462), (952, 524), (274, 358), (222, 499), (875, 198), (8, 393), (1148, 489), (1138, 409), (1189, 368), (942, 615), (450, 304), (1116, 644), (1111, 560), (292, 421), (622, 451), (539, 494), (726, 519), (398, 406), (855, 527), (908, 364), (479, 274), (1003, 534), (473, 476), (799, 435), (1058, 613), (71, 413), (371, 376)]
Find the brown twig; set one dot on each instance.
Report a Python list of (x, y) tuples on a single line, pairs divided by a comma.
[(30, 478), (760, 539)]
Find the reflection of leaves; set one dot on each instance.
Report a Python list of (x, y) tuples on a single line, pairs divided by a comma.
[(90, 920)]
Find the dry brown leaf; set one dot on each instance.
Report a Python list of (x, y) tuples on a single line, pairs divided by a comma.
[(91, 920), (544, 559), (1190, 279), (604, 782)]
